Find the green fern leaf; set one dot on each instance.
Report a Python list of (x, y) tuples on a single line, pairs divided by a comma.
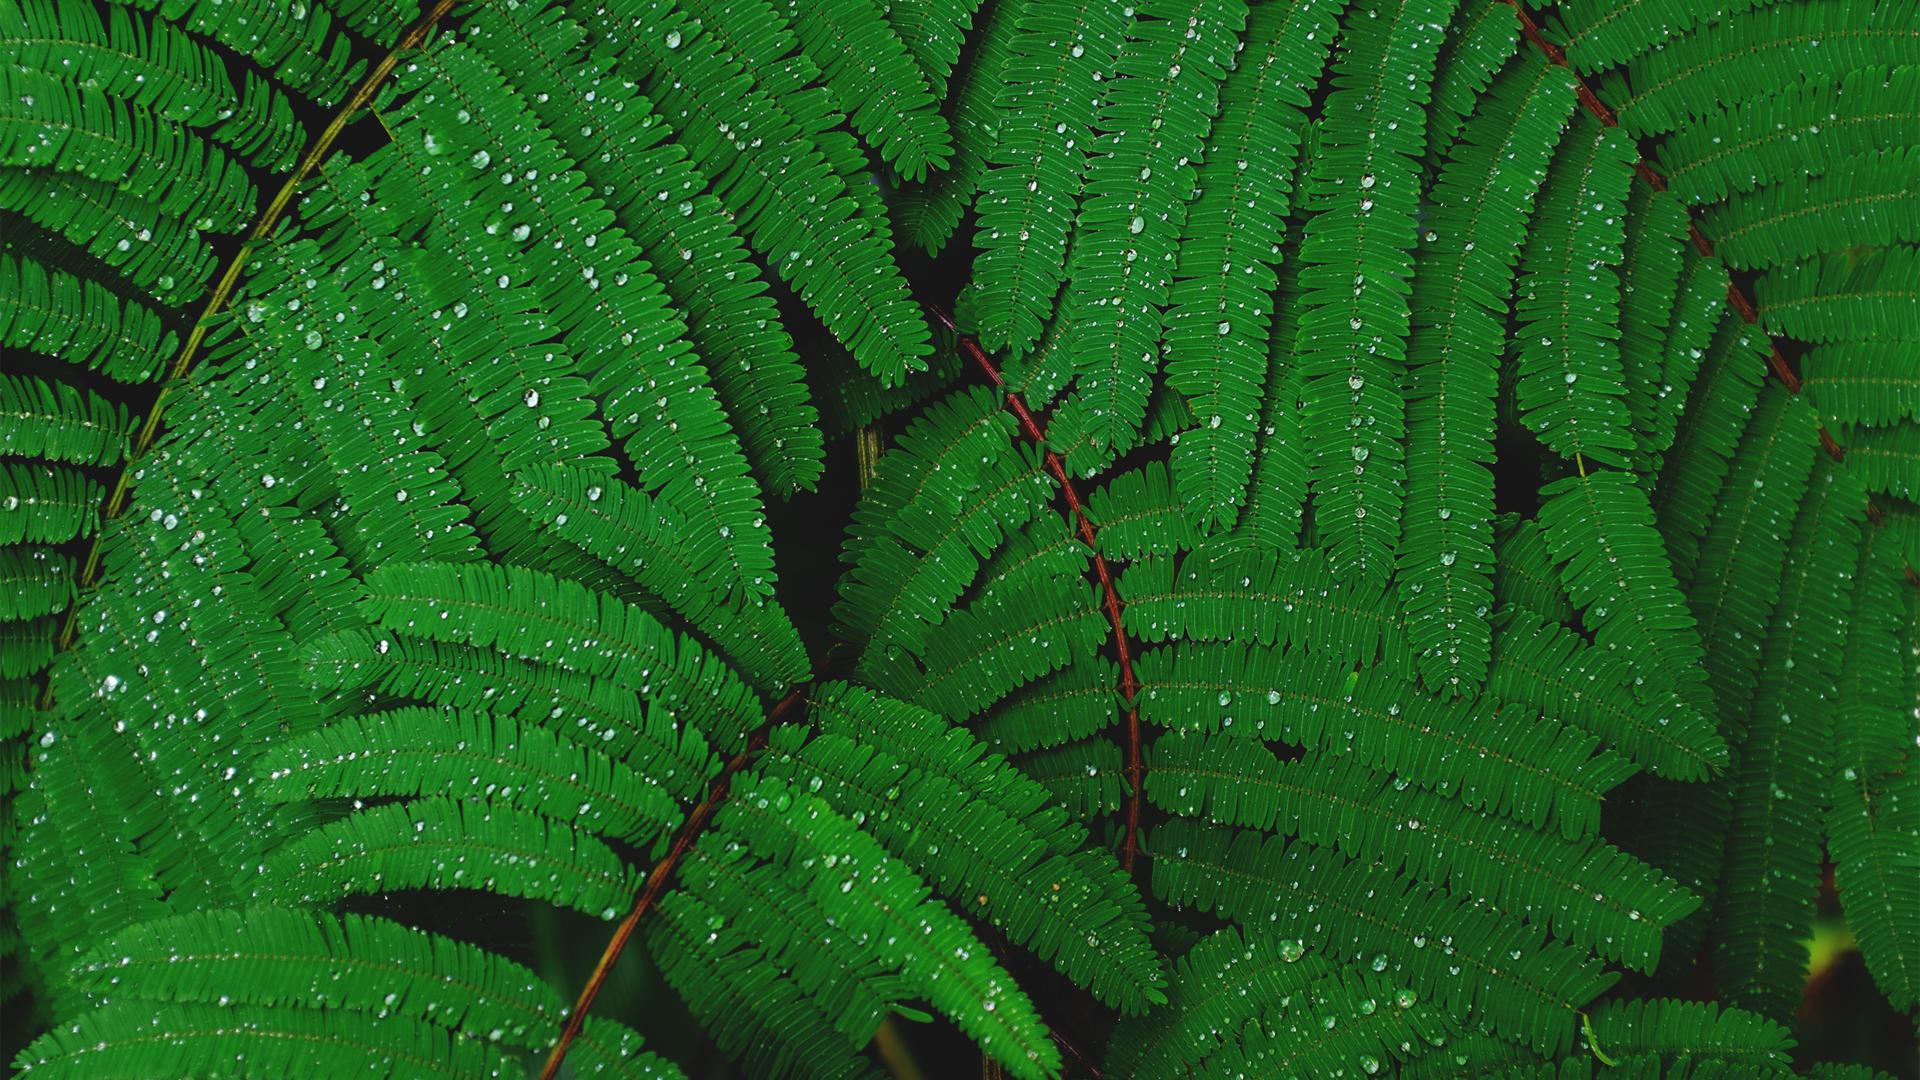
[(1500, 760), (1817, 41), (1600, 529), (440, 843), (1545, 666), (1047, 95), (781, 190), (67, 128), (119, 1040), (1585, 892), (928, 214), (1769, 884), (1457, 955), (879, 897), (1571, 385), (1481, 201), (1356, 253), (660, 199), (1224, 273), (1874, 817), (1156, 112), (1862, 382), (420, 752), (1226, 980), (57, 421), (152, 63), (1803, 129)]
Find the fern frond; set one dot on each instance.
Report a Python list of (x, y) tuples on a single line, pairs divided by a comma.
[(1873, 821), (878, 897), (1048, 96), (304, 48), (1223, 274), (1700, 311), (1140, 512), (1802, 129), (660, 199), (1583, 891), (594, 712), (1524, 577), (995, 837), (1286, 599), (650, 547), (1570, 385), (1087, 778), (1460, 956), (1862, 382), (1773, 847), (53, 313), (69, 128), (876, 81), (1601, 34), (57, 421), (1840, 297), (1693, 1031), (1545, 666), (1481, 203), (168, 260), (1072, 703), (997, 644), (1887, 458), (532, 615), (1871, 200), (34, 581), (788, 201), (133, 1038), (1737, 578), (933, 32), (1600, 528), (356, 964), (46, 504), (757, 1013), (420, 752), (361, 429), (943, 501), (1277, 495), (1652, 272), (440, 843), (1226, 980), (1723, 396), (1818, 41), (1504, 761), (150, 62), (1377, 1023), (1480, 41), (928, 214), (1157, 108), (1357, 261)]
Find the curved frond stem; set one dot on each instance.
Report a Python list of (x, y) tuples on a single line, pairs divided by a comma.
[(657, 878), (1736, 296), (223, 292), (1035, 429)]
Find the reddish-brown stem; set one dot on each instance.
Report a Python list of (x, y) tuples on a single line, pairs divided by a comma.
[(657, 878), (1035, 429), (1736, 296)]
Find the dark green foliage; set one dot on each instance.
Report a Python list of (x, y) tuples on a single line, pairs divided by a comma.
[(1406, 564)]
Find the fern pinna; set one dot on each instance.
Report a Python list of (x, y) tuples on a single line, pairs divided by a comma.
[(1400, 559)]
